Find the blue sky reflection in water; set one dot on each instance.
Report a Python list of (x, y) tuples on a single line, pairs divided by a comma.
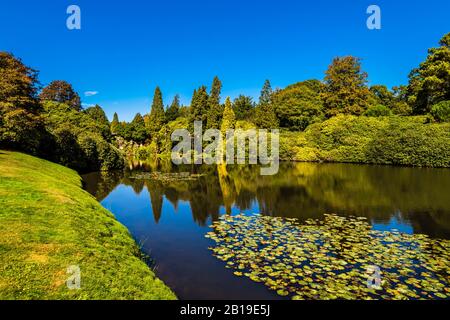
[(170, 218)]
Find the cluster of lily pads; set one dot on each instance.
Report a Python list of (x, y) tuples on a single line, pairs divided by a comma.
[(332, 258), (166, 177)]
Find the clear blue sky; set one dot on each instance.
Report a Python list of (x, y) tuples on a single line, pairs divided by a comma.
[(126, 48)]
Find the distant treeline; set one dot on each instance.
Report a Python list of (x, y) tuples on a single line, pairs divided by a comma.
[(51, 122)]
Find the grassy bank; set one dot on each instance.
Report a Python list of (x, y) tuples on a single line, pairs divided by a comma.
[(48, 223), (409, 141)]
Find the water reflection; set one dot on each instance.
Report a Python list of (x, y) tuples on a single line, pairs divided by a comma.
[(407, 199)]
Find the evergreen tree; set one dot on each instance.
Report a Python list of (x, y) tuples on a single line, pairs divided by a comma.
[(429, 84), (243, 107), (229, 118), (173, 111), (157, 116), (215, 110), (266, 93), (138, 130), (115, 124), (346, 90), (199, 105), (265, 117)]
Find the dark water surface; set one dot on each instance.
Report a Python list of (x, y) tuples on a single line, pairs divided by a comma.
[(169, 218)]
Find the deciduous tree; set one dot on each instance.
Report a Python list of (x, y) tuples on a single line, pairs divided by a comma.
[(62, 92), (346, 90), (299, 105), (97, 114), (21, 125)]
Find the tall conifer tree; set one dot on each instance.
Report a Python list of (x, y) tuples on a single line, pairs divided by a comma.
[(157, 115), (265, 117), (215, 110)]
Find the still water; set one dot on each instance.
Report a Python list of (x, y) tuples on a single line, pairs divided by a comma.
[(169, 217)]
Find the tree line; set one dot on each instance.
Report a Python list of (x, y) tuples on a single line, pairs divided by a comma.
[(343, 91), (51, 122)]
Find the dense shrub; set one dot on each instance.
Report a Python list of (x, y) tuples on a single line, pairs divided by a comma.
[(378, 111), (143, 153), (79, 139), (403, 143), (109, 156), (68, 152), (441, 111), (384, 140)]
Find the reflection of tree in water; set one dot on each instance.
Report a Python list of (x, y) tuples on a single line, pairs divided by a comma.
[(300, 190), (156, 191), (100, 184), (227, 185)]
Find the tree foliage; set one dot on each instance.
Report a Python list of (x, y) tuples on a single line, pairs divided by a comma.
[(214, 107), (62, 92), (157, 115), (383, 95), (21, 126), (138, 131), (243, 107), (229, 118), (346, 90), (429, 84), (173, 112), (115, 124), (78, 139), (378, 111), (299, 105), (97, 114), (441, 111), (199, 105), (265, 117)]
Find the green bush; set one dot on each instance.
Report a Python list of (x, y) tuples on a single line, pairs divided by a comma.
[(375, 140), (441, 111), (109, 156), (79, 139), (378, 111), (404, 143), (145, 152)]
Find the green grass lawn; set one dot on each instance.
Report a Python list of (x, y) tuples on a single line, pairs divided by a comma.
[(48, 223)]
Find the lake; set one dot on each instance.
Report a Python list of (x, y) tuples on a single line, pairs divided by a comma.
[(169, 215)]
